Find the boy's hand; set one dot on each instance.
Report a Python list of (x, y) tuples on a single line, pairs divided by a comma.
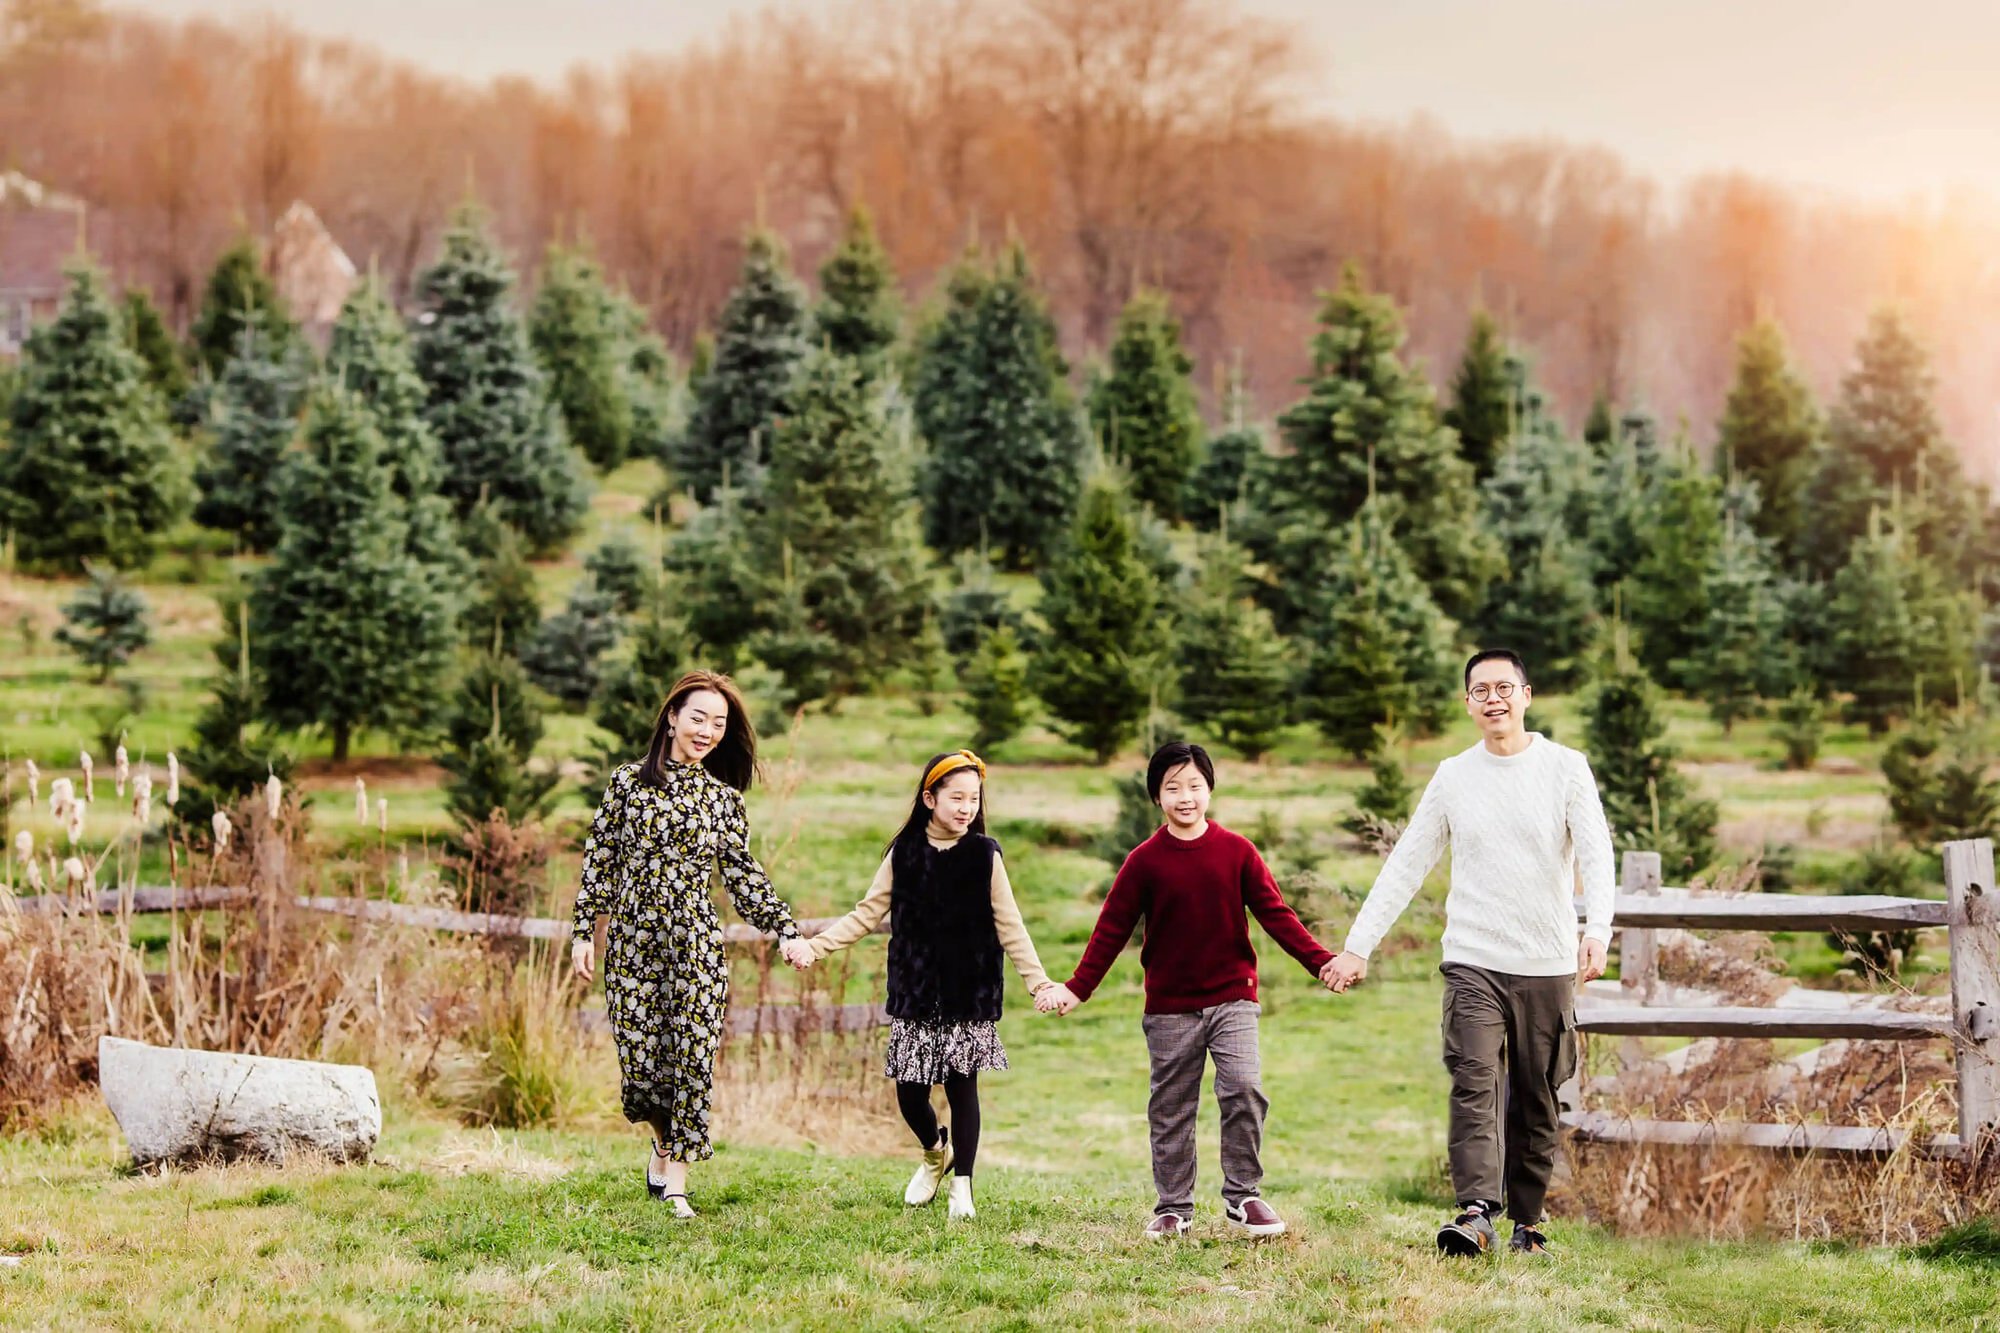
[(1589, 959), (1342, 971), (1056, 999)]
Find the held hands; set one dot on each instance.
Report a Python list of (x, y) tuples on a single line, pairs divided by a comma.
[(1342, 971), (1589, 959), (1056, 999), (583, 958), (798, 953)]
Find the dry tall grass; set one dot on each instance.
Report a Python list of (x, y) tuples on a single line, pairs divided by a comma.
[(1734, 1192)]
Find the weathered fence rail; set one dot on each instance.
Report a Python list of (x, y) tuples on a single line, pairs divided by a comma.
[(763, 1020), (1969, 913)]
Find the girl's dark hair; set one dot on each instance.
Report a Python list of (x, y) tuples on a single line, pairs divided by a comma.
[(920, 814), (1170, 757), (733, 760)]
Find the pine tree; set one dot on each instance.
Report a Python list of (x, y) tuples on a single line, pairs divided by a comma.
[(648, 374), (996, 687), (836, 510), (740, 399), (1600, 428), (1144, 409), (371, 355), (632, 690), (350, 630), (1097, 665), (718, 584), (239, 296), (500, 437), (1646, 799), (859, 315), (492, 726), (106, 624), (1482, 397), (932, 671), (1739, 653), (89, 471), (1883, 437), (807, 658), (563, 655), (1235, 674), (233, 751), (975, 605), (253, 416), (1899, 632), (1537, 504), (620, 570), (1138, 819), (146, 334), (1368, 427), (1768, 433), (1379, 651), (1223, 478), (1666, 598), (1387, 796), (1799, 727), (504, 607), (991, 399), (579, 336)]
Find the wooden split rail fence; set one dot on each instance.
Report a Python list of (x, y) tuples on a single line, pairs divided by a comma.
[(1970, 913), (764, 1020)]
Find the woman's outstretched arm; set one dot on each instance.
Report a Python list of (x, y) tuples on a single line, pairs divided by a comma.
[(749, 887)]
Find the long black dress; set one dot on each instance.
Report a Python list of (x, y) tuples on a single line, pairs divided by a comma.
[(648, 864)]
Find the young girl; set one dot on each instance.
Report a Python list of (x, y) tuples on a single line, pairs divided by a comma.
[(952, 915)]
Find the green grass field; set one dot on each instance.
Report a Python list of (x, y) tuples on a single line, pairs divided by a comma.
[(454, 1227)]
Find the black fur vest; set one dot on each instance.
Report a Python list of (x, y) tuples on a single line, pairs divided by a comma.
[(944, 951)]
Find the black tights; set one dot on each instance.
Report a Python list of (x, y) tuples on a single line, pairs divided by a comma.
[(961, 1094)]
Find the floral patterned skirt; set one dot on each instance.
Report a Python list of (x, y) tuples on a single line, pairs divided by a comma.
[(928, 1053)]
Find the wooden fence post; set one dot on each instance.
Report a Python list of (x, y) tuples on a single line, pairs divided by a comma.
[(1975, 989), (1639, 950)]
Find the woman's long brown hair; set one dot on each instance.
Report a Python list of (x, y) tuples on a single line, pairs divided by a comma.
[(733, 760)]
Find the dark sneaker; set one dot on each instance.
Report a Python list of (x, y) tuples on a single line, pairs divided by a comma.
[(1528, 1240), (1168, 1226), (1254, 1217), (1469, 1234)]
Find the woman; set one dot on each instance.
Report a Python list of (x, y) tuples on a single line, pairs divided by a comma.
[(663, 828)]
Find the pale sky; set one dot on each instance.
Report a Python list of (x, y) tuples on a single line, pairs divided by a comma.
[(1877, 99)]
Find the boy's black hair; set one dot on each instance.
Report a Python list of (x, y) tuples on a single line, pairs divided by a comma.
[(1507, 655), (1170, 757)]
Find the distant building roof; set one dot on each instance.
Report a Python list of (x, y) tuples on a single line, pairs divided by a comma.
[(39, 229), (312, 273)]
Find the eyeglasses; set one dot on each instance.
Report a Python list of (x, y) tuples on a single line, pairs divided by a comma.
[(1500, 690)]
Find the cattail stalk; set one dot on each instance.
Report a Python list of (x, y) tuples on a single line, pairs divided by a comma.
[(122, 772), (89, 775), (173, 778)]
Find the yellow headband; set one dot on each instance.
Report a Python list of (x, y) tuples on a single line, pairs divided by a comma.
[(950, 764)]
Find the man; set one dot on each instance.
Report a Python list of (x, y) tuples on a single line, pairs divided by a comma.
[(1522, 818)]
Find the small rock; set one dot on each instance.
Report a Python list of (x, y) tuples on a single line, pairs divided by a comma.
[(184, 1106)]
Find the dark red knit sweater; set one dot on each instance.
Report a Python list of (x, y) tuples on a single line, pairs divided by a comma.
[(1194, 894)]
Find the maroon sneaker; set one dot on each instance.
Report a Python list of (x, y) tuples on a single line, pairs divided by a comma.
[(1167, 1226), (1254, 1217)]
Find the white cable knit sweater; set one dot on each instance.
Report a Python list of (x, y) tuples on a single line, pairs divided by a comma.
[(1520, 828)]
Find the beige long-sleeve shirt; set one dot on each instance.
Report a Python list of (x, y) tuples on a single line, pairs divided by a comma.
[(874, 906)]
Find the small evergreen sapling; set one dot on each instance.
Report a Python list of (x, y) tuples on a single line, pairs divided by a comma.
[(106, 625)]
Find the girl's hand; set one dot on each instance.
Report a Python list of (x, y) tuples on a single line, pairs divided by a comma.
[(1056, 999), (583, 958), (797, 952)]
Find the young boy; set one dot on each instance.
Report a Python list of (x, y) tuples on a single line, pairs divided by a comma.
[(1192, 881)]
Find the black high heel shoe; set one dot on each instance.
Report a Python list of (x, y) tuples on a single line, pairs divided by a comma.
[(657, 1191)]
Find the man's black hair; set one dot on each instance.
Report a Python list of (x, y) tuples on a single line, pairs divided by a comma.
[(1170, 757), (1507, 655)]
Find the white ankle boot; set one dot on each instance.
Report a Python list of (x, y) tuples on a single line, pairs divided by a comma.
[(961, 1198), (930, 1174)]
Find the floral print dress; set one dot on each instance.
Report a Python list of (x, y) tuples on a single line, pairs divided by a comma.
[(648, 864)]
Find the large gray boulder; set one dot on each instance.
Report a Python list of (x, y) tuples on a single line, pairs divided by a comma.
[(186, 1106)]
